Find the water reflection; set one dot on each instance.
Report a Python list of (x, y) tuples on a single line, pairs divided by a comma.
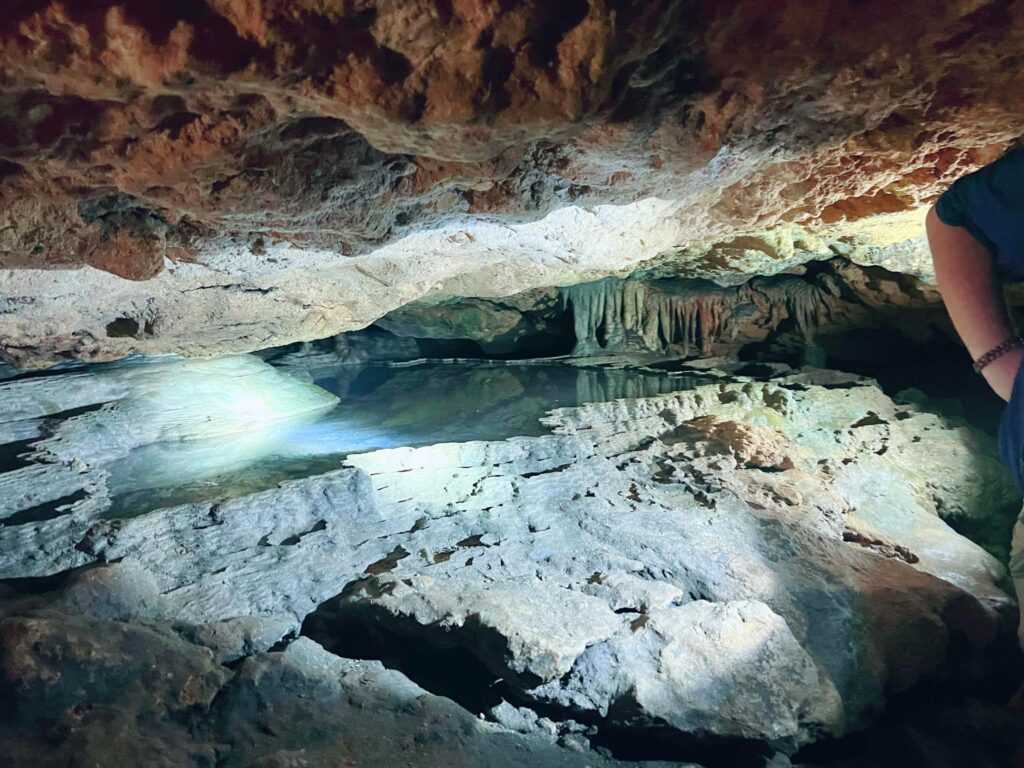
[(213, 430), (439, 402)]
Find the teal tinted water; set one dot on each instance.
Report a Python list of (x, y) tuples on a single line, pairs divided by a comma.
[(381, 406)]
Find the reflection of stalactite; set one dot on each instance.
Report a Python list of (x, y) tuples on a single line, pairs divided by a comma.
[(616, 315), (595, 385)]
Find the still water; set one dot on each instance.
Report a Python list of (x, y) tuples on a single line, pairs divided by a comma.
[(162, 433)]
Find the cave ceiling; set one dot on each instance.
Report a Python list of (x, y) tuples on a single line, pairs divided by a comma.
[(227, 175)]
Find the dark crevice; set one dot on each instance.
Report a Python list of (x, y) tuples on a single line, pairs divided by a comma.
[(466, 664), (430, 656), (930, 721), (664, 743), (123, 327), (282, 644), (176, 123), (561, 18), (393, 66), (497, 68), (320, 525), (45, 511), (55, 418), (10, 169), (551, 471), (14, 455)]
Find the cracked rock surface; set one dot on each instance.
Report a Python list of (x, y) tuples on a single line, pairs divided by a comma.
[(113, 693), (739, 564)]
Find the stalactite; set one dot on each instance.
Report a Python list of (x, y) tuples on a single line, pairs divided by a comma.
[(594, 313), (613, 315), (618, 314), (808, 303)]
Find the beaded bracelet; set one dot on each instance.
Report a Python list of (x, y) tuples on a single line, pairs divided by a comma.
[(998, 351)]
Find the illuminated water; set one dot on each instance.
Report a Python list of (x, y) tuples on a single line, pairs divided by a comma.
[(153, 441)]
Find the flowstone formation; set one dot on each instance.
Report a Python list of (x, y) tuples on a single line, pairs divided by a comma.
[(732, 572), (223, 176)]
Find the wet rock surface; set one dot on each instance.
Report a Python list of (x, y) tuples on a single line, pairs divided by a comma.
[(720, 574)]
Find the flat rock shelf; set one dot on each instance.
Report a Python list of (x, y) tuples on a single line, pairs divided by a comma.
[(540, 562)]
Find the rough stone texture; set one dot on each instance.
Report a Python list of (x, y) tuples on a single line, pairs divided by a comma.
[(732, 669), (756, 526), (626, 522), (464, 320), (804, 316), (78, 690), (81, 691), (508, 325), (274, 172)]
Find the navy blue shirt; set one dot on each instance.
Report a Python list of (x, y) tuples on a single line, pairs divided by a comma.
[(989, 204)]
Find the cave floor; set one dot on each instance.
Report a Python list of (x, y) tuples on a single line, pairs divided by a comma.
[(558, 562)]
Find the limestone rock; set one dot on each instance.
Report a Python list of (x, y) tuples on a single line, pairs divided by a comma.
[(325, 709), (733, 669), (465, 320), (673, 526), (116, 592), (227, 176), (92, 691), (651, 313), (538, 643), (87, 691), (237, 638), (748, 540)]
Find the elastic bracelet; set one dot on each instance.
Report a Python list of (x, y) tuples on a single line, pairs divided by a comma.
[(998, 351)]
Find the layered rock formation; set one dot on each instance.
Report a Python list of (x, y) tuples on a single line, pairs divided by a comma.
[(735, 569), (238, 175), (805, 316)]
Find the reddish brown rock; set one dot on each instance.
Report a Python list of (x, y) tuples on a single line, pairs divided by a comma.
[(134, 137)]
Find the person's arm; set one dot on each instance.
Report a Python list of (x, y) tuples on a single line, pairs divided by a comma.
[(973, 295)]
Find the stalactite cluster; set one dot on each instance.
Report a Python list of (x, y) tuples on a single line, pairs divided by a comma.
[(616, 315), (808, 303)]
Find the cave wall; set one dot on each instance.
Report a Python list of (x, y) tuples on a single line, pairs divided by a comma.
[(813, 312), (231, 175)]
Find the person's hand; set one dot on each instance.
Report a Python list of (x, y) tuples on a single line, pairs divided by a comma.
[(1000, 373)]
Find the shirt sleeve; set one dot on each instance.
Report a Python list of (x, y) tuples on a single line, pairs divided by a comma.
[(951, 207), (971, 201)]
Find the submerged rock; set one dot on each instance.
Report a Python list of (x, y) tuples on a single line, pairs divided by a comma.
[(93, 434)]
